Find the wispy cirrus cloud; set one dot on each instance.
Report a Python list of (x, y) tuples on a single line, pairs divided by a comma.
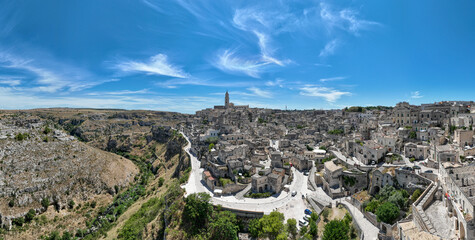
[(157, 65), (262, 24), (416, 95), (332, 79), (121, 92), (259, 92), (48, 76), (329, 48), (10, 80), (329, 94), (278, 82), (251, 92), (228, 61), (345, 19)]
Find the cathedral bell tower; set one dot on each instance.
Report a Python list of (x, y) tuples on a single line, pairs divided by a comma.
[(226, 100)]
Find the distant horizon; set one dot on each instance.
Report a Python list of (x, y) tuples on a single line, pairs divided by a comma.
[(252, 107), (181, 56)]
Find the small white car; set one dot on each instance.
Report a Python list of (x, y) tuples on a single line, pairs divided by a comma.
[(307, 217), (303, 223), (294, 193)]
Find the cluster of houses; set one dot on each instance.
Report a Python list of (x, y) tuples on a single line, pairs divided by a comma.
[(352, 150)]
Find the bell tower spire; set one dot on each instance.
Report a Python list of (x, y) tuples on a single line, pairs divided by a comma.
[(226, 100)]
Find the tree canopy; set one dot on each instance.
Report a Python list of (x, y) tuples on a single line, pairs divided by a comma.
[(336, 230), (387, 212)]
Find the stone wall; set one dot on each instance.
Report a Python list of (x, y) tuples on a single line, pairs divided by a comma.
[(233, 188), (418, 207)]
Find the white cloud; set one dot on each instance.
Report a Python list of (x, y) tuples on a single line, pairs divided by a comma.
[(329, 48), (49, 76), (345, 19), (416, 95), (121, 92), (331, 79), (157, 65), (12, 99), (263, 24), (259, 92), (229, 62), (329, 94), (277, 82), (10, 81), (322, 65)]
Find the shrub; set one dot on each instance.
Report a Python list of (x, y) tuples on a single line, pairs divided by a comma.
[(45, 202), (18, 221), (161, 180), (11, 203), (325, 214), (71, 204), (416, 194), (93, 204), (30, 215), (372, 206), (47, 130), (21, 136)]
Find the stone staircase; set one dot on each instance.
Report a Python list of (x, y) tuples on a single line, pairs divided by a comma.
[(422, 220)]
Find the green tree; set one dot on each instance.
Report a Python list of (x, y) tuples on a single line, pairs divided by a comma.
[(387, 212), (224, 226), (372, 206), (303, 230), (325, 214), (254, 227), (30, 215), (313, 229), (67, 236), (413, 135), (197, 210), (397, 199), (211, 146), (54, 236), (272, 225), (292, 227), (347, 219), (385, 192), (415, 195), (335, 230)]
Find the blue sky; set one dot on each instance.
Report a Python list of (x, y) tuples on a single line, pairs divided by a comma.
[(183, 55)]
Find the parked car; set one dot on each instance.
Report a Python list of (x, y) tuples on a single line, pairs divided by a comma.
[(416, 167), (303, 223), (307, 217), (305, 173), (307, 211), (428, 171), (294, 193), (303, 196)]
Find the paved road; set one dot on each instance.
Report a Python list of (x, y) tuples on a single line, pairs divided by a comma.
[(339, 155), (292, 207), (266, 205), (240, 195), (194, 184)]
